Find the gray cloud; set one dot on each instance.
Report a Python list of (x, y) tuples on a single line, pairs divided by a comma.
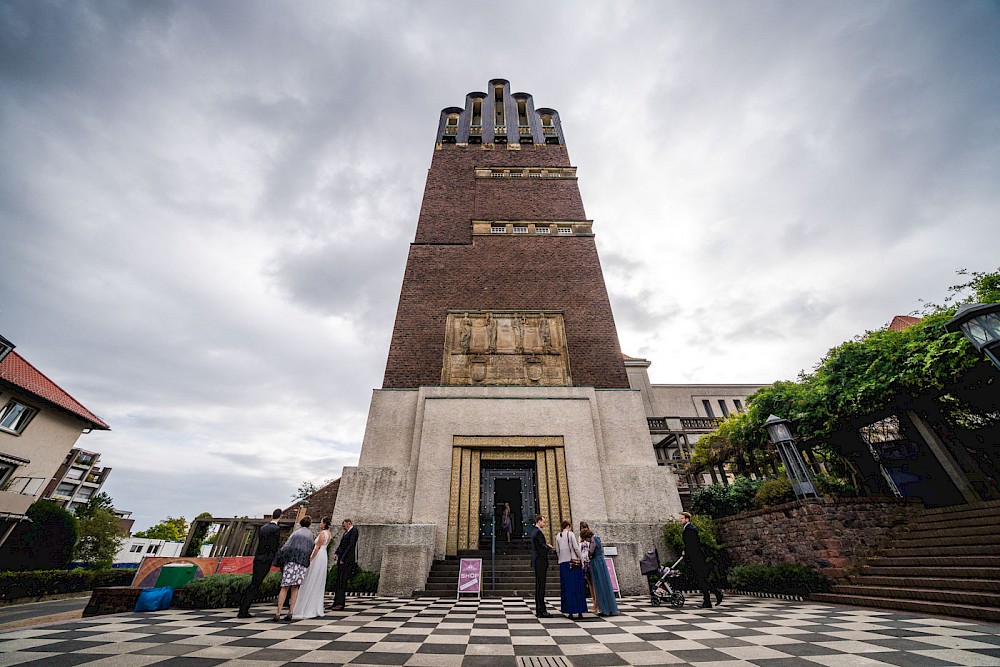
[(206, 208)]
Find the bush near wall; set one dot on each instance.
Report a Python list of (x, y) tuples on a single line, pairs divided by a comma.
[(786, 579), (363, 581), (36, 583), (715, 553), (222, 590)]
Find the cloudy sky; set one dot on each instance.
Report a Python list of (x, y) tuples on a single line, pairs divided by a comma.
[(205, 207)]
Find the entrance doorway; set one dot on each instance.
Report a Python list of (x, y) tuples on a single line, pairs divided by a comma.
[(506, 483)]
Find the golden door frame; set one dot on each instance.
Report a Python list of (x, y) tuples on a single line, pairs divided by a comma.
[(467, 455)]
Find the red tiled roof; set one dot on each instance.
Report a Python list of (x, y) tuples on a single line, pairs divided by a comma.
[(901, 322), (16, 370)]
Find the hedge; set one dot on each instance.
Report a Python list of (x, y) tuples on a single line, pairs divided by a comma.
[(786, 578), (222, 590), (363, 581), (36, 583)]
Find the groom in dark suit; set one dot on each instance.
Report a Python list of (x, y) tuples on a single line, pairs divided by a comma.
[(540, 550), (267, 549), (347, 561)]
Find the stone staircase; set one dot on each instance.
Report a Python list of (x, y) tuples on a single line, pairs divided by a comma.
[(514, 576), (946, 561)]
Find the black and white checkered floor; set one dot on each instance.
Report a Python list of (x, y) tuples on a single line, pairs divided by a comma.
[(445, 633)]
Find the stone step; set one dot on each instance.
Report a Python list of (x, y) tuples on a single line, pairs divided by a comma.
[(957, 527), (921, 571), (972, 598), (938, 583), (934, 539), (936, 561), (960, 510), (940, 550), (919, 606)]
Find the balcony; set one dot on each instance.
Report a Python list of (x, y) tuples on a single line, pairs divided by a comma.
[(700, 423), (476, 131), (450, 130), (549, 131), (499, 130), (524, 130)]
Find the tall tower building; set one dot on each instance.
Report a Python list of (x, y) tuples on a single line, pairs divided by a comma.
[(505, 382)]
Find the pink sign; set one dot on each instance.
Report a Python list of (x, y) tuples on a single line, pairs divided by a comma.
[(470, 576), (613, 574)]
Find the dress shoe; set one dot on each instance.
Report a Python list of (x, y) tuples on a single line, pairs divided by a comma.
[(246, 615), (338, 607), (705, 605), (544, 614), (718, 598)]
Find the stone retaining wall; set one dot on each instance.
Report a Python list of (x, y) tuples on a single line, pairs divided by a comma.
[(833, 535)]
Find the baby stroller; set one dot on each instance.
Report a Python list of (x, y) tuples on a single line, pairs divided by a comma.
[(661, 591)]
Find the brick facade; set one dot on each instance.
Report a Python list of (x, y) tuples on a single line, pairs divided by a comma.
[(449, 269), (832, 535)]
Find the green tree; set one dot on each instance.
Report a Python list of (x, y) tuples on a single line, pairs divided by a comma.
[(854, 379), (99, 538), (171, 529), (101, 501), (306, 489), (44, 543), (198, 537)]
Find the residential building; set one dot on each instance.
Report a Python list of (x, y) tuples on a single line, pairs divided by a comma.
[(134, 549), (77, 480), (39, 424)]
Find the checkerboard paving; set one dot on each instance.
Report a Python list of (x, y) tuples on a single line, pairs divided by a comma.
[(433, 632)]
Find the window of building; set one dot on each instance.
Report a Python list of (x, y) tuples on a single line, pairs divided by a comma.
[(708, 409), (85, 493), (65, 489), (541, 230), (722, 406), (534, 174), (739, 404), (498, 229), (497, 174), (453, 119), (6, 471), (520, 230), (15, 416), (564, 230), (74, 473), (136, 548), (517, 174), (477, 112), (152, 548)]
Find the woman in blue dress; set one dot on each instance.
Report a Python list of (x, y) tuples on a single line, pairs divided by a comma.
[(606, 603), (574, 599)]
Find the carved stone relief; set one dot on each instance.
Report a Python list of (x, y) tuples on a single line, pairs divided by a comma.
[(491, 348)]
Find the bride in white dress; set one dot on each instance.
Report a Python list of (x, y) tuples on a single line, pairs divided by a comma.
[(309, 603)]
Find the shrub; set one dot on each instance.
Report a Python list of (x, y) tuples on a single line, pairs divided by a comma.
[(363, 581), (718, 500), (786, 578), (222, 590), (36, 583), (44, 543), (774, 491), (834, 487)]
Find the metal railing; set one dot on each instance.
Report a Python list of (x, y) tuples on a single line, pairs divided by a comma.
[(450, 130), (548, 130)]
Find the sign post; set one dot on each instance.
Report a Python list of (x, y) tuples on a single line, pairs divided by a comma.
[(470, 577), (614, 577)]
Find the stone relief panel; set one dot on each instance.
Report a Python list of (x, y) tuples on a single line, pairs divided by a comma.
[(494, 348)]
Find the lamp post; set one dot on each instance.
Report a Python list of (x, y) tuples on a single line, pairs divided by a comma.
[(980, 322), (781, 437)]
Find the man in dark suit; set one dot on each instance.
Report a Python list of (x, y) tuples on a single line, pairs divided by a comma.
[(540, 550), (696, 558), (267, 549), (347, 561)]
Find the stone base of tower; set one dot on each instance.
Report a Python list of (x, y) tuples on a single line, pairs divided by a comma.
[(438, 464)]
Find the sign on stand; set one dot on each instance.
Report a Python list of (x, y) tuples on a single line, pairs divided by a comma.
[(470, 577), (613, 575)]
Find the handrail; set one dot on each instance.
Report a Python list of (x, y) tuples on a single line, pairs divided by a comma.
[(493, 553)]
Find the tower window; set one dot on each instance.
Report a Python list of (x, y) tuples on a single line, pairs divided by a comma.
[(520, 230), (564, 230), (722, 406), (738, 404), (497, 174), (541, 230), (477, 112), (498, 229), (516, 174), (708, 409)]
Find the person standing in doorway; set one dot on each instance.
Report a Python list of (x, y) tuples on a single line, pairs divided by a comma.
[(347, 561), (508, 525), (540, 550), (696, 558), (267, 548)]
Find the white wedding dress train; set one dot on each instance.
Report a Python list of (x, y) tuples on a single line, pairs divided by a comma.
[(309, 602)]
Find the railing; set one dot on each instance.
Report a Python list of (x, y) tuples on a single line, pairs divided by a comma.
[(25, 486), (551, 131), (476, 130), (657, 423), (450, 130), (700, 422), (500, 129), (493, 553), (524, 130)]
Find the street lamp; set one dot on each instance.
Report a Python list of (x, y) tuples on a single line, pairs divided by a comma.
[(980, 322), (781, 437)]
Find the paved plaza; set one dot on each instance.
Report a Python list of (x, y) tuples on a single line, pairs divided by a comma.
[(432, 632)]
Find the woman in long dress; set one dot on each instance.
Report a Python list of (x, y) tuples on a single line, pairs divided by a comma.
[(309, 603), (508, 525), (293, 559), (585, 534), (574, 599), (606, 602)]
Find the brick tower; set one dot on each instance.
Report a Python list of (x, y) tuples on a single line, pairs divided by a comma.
[(505, 384)]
